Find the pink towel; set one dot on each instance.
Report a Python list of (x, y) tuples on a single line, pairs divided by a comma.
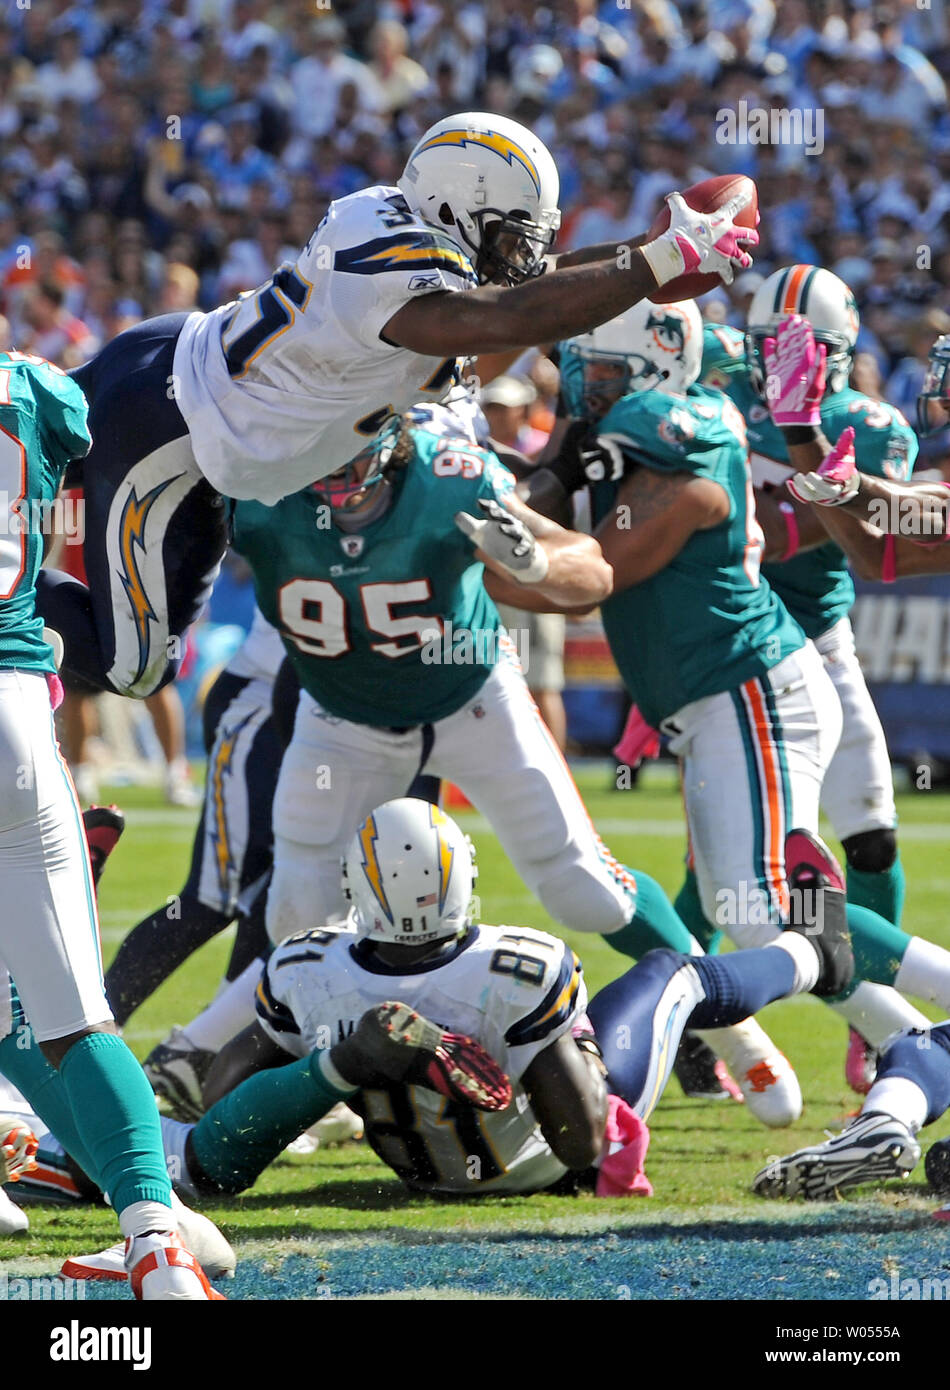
[(638, 740), (55, 689), (621, 1172)]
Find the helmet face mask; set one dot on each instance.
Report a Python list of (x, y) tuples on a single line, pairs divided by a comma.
[(935, 389), (511, 247), (409, 873), (490, 184), (360, 492)]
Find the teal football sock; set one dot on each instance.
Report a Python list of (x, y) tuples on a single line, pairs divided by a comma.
[(23, 1063), (249, 1127), (879, 946), (690, 909), (882, 892), (117, 1120), (655, 923)]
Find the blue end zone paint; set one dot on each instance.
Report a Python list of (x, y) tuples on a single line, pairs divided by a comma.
[(821, 1256)]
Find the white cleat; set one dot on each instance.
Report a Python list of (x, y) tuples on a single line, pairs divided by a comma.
[(13, 1219), (764, 1075), (338, 1126), (871, 1148), (161, 1269), (176, 1070), (200, 1235)]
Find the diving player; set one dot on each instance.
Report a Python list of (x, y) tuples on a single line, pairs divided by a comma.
[(49, 934), (263, 396), (707, 650), (518, 992)]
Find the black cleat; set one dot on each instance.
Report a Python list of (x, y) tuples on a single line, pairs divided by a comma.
[(697, 1069), (818, 909), (937, 1166), (103, 826)]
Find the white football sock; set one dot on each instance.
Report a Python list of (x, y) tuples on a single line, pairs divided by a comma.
[(878, 1012), (228, 1013), (174, 1137), (925, 971), (804, 955), (900, 1098), (139, 1217)]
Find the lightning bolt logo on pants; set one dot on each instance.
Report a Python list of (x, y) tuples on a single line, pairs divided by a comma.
[(131, 534), (218, 831)]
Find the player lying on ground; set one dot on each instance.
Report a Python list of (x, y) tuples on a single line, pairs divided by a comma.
[(706, 649), (259, 398), (518, 992), (388, 618), (49, 934)]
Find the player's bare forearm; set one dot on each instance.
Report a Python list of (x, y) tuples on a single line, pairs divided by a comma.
[(248, 1052), (568, 1095), (494, 318), (578, 576), (654, 516), (605, 251), (868, 548)]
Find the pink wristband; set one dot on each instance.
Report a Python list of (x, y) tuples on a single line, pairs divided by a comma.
[(889, 561), (791, 529)]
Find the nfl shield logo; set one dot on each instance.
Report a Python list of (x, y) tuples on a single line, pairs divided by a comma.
[(352, 546)]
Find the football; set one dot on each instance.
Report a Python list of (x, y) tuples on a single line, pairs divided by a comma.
[(703, 197)]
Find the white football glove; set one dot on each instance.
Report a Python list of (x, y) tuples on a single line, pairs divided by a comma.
[(506, 540), (707, 242), (835, 482), (18, 1146)]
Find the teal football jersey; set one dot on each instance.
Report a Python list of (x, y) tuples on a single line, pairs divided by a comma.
[(42, 427), (815, 586), (391, 625), (707, 622)]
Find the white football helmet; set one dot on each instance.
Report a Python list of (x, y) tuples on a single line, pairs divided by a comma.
[(408, 873), (820, 297), (652, 346), (489, 181)]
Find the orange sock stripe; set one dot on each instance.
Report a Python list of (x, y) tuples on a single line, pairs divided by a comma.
[(773, 857)]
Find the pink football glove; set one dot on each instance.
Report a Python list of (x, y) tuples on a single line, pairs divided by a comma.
[(837, 479), (795, 373), (705, 241), (18, 1147)]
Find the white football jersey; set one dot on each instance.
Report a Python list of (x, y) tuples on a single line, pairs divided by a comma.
[(288, 383), (260, 654), (515, 990)]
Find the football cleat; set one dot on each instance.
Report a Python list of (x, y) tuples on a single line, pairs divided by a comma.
[(338, 1126), (13, 1219), (161, 1268), (937, 1166), (176, 1071), (818, 909), (400, 1045), (765, 1077), (701, 1074), (103, 826), (200, 1235), (18, 1146), (871, 1148), (860, 1067)]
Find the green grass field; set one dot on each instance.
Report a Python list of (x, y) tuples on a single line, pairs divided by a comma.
[(338, 1224)]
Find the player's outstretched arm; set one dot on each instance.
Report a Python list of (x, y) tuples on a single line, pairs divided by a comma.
[(248, 1052), (533, 562), (573, 299), (568, 1095)]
